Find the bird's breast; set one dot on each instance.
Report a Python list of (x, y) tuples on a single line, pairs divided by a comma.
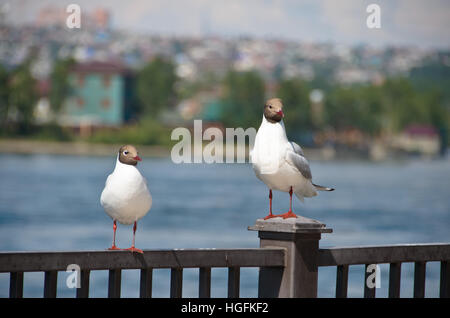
[(126, 199)]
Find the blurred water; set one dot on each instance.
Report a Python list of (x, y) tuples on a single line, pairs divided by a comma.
[(52, 203)]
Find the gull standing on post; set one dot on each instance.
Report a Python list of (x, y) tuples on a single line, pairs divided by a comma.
[(126, 197), (280, 163)]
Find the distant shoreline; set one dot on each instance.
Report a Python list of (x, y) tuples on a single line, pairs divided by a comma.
[(26, 146), (78, 148)]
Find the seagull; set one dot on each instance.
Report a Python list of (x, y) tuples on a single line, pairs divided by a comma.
[(126, 197), (280, 163)]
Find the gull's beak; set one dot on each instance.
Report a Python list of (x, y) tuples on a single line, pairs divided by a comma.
[(137, 158), (280, 112)]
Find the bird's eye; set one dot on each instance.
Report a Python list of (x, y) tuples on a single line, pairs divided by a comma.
[(125, 152), (270, 106)]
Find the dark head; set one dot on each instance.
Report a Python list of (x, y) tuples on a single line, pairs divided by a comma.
[(128, 155), (273, 110)]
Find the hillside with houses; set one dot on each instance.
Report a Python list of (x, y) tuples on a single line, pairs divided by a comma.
[(61, 84)]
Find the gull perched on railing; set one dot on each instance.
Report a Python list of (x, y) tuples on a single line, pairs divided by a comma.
[(126, 197), (280, 163)]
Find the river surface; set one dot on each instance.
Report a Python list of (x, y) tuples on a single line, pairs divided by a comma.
[(51, 203)]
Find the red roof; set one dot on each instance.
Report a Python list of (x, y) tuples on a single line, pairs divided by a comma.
[(43, 87), (421, 130), (100, 67)]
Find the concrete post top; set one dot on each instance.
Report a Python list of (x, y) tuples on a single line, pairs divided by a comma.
[(300, 224)]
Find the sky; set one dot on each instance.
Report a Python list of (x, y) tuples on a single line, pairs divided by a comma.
[(422, 23)]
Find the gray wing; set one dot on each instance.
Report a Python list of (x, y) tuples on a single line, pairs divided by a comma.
[(296, 157), (297, 149)]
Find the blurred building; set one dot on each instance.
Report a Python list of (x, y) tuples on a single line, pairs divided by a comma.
[(418, 138), (51, 16), (42, 112), (100, 95)]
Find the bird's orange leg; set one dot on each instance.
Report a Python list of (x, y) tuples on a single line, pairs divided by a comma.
[(114, 247), (132, 248), (289, 214), (270, 207)]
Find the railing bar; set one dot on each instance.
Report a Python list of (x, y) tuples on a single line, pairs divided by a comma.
[(204, 282), (16, 285), (395, 270), (368, 292), (50, 283), (341, 281), (419, 279), (233, 282), (176, 282), (146, 283), (383, 254), (83, 291), (114, 283), (106, 260), (445, 280)]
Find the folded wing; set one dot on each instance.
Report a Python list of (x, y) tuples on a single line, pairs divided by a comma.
[(295, 157)]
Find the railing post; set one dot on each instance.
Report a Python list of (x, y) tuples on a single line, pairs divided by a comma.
[(300, 238)]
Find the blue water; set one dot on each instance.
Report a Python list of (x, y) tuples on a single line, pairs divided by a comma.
[(52, 203)]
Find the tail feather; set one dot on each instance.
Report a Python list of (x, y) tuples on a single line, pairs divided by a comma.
[(300, 196), (322, 188)]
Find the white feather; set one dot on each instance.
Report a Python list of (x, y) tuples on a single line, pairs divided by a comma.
[(126, 197), (272, 158)]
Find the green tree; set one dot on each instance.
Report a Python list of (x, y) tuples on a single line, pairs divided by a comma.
[(341, 108), (356, 107), (23, 96), (432, 75), (243, 99), (295, 96), (155, 86), (403, 104), (59, 82), (439, 114), (4, 96), (433, 79), (371, 115), (389, 107)]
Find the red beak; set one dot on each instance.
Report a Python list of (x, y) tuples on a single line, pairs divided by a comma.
[(137, 158), (280, 113)]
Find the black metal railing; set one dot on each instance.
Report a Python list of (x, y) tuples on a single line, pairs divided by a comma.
[(16, 263), (395, 256), (288, 260)]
